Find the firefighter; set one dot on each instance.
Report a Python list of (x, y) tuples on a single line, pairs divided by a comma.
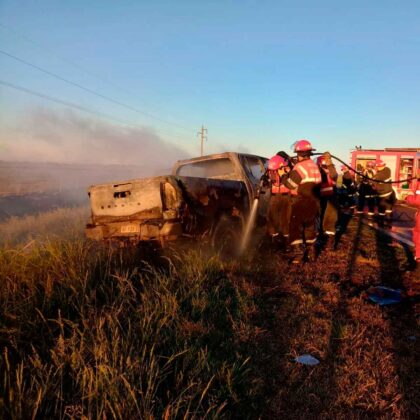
[(366, 193), (328, 196), (385, 195), (279, 210), (305, 178), (348, 189)]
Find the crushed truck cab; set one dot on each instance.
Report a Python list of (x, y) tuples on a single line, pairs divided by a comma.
[(208, 196)]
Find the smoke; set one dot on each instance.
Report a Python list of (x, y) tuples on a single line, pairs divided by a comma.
[(45, 135)]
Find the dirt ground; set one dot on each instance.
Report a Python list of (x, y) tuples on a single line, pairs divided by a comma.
[(369, 355)]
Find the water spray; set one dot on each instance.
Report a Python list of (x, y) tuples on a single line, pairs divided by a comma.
[(253, 214)]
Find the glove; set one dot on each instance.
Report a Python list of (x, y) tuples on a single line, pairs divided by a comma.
[(265, 180), (327, 157)]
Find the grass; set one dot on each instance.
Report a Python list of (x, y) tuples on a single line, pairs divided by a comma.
[(91, 331), (62, 223)]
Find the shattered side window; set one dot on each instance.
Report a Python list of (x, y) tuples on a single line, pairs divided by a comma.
[(255, 168), (214, 168)]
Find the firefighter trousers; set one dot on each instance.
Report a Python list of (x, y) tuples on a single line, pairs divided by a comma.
[(303, 220), (329, 215), (366, 197), (385, 206), (278, 216)]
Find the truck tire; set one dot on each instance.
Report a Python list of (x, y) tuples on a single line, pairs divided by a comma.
[(227, 236)]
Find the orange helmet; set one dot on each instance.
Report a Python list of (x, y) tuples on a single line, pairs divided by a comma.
[(277, 162), (303, 146)]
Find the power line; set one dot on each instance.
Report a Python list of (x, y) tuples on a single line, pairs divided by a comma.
[(107, 98), (69, 104), (43, 48)]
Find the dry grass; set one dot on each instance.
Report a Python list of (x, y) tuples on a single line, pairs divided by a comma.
[(95, 331), (63, 223), (92, 331)]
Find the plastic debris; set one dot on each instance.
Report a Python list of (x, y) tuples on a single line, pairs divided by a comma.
[(307, 359), (384, 295)]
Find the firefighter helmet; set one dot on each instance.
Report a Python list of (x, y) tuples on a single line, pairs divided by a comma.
[(303, 146), (380, 163), (277, 162), (344, 168), (370, 164)]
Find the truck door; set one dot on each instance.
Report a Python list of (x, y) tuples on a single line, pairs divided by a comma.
[(255, 168)]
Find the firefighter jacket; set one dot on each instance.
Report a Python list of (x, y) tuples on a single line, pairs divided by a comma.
[(383, 190), (277, 187), (328, 181), (305, 177), (348, 183)]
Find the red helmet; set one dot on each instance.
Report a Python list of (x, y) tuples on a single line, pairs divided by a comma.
[(303, 146), (276, 162), (344, 168), (380, 163), (320, 160), (370, 164)]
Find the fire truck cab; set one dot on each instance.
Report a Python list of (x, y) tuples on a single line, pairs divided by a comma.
[(403, 162)]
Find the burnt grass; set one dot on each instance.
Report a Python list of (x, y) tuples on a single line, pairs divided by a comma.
[(103, 333)]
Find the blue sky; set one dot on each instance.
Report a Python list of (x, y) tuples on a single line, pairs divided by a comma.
[(258, 74)]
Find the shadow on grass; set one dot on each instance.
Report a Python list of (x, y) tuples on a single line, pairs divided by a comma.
[(402, 323)]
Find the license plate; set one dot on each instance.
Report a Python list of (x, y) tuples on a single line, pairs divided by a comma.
[(130, 229)]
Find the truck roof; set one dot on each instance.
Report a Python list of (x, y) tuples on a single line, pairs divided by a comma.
[(215, 156), (390, 149)]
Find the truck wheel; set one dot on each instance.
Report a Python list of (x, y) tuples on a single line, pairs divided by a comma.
[(226, 237)]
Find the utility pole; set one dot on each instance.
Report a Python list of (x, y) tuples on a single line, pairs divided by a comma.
[(203, 137)]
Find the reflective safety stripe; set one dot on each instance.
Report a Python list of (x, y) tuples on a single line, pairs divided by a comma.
[(308, 171), (388, 211), (279, 189), (381, 214), (326, 190), (292, 183), (329, 232), (385, 195), (310, 241), (297, 242)]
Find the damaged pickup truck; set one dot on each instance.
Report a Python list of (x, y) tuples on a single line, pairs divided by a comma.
[(206, 198)]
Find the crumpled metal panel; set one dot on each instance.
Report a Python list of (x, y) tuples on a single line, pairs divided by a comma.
[(126, 198)]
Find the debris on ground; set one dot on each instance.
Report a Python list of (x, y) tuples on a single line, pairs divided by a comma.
[(307, 359), (384, 295)]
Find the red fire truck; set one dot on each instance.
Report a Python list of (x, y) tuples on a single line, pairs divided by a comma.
[(403, 162)]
